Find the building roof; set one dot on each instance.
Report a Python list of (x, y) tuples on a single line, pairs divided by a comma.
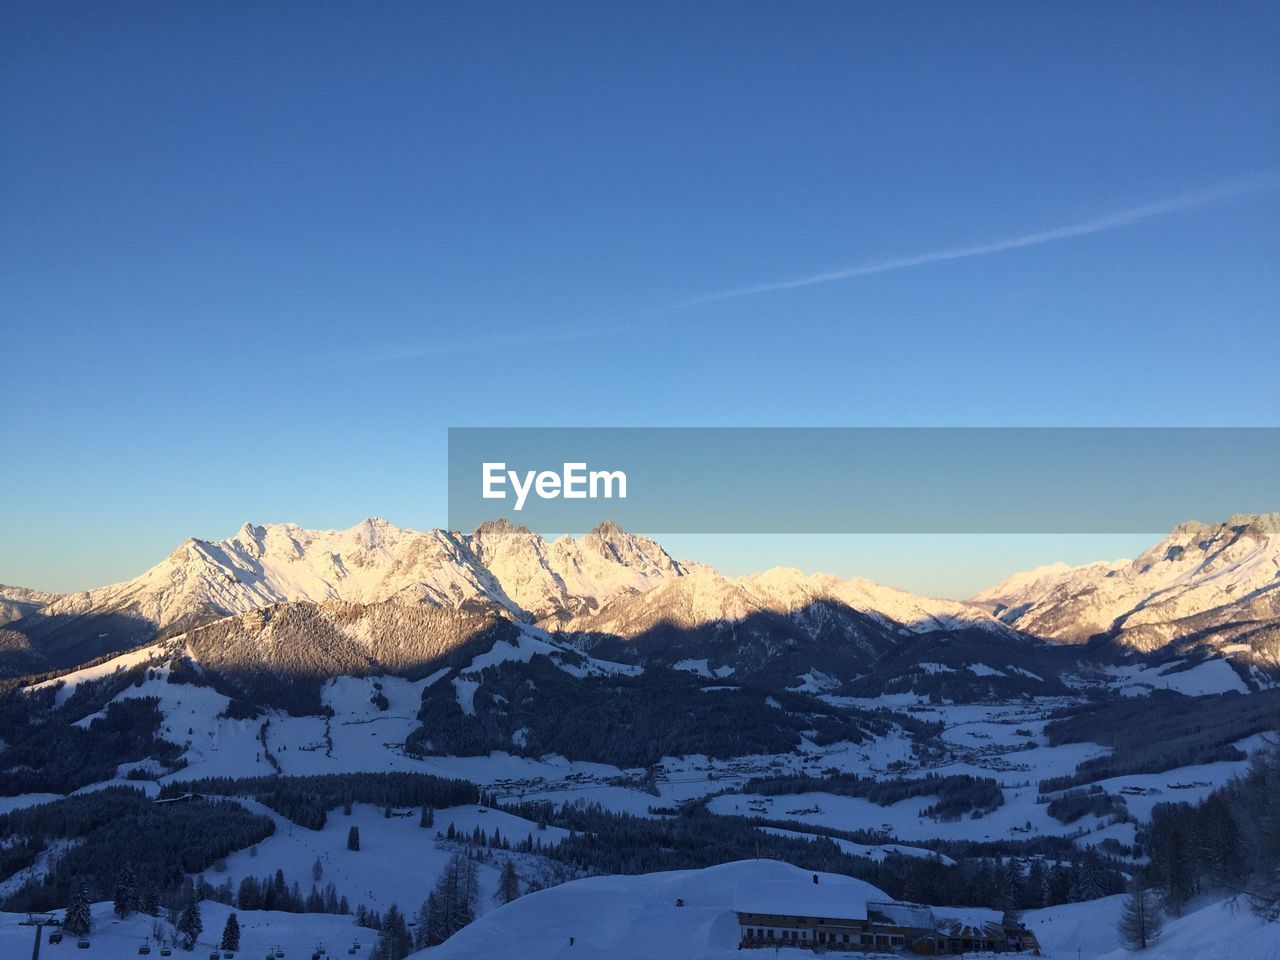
[(834, 897), (972, 922), (902, 914)]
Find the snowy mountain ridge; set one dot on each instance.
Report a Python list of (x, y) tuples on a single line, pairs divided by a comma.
[(499, 567), (1214, 585), (18, 602), (596, 581), (1211, 587)]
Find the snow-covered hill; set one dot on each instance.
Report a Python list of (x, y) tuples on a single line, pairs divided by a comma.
[(1216, 585), (639, 917), (676, 915)]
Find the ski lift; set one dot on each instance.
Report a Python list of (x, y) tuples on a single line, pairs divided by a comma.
[(144, 950), (215, 956), (55, 936), (82, 944), (166, 951)]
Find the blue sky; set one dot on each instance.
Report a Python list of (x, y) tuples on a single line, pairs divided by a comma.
[(254, 260)]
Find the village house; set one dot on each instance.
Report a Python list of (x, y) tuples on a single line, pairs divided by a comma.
[(852, 916)]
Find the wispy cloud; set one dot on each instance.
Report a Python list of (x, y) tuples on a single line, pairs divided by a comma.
[(1112, 221), (647, 320)]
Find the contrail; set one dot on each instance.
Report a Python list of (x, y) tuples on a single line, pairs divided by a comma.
[(672, 312), (1112, 221)]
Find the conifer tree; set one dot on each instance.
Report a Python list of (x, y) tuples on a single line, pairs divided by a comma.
[(353, 838), (1092, 883), (452, 904), (190, 925), (78, 920), (394, 942), (1140, 922), (231, 934), (508, 883), (125, 893)]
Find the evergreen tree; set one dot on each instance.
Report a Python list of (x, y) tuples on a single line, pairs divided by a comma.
[(125, 893), (452, 904), (78, 920), (190, 925), (151, 902), (422, 936), (508, 883), (1140, 922), (353, 838), (1092, 883), (249, 896), (1010, 896), (394, 942), (231, 934), (428, 818), (1037, 884)]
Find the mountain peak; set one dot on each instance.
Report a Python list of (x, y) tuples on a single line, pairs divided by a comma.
[(1205, 585), (1264, 523), (500, 527), (608, 530)]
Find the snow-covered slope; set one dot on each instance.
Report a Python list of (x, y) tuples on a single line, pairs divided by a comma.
[(777, 627), (707, 597), (637, 918), (1210, 930), (1216, 584), (631, 917)]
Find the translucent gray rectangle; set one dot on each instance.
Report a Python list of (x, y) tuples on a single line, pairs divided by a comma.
[(866, 480)]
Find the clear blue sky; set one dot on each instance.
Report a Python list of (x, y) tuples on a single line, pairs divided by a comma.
[(255, 258)]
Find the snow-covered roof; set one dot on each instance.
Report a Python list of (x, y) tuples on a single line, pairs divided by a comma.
[(841, 898)]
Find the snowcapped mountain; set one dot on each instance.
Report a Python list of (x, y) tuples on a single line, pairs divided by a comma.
[(782, 628), (18, 602), (707, 597), (1212, 585), (624, 597), (569, 577), (499, 568)]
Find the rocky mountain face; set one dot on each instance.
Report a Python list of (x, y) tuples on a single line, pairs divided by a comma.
[(19, 602), (1209, 586)]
